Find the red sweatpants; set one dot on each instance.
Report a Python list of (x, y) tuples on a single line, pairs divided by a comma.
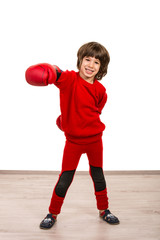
[(71, 157)]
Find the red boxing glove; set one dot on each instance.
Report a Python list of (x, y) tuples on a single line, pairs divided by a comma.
[(59, 123), (42, 74)]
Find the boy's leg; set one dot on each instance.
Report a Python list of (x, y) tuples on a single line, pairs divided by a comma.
[(60, 190), (95, 157), (71, 156), (100, 187)]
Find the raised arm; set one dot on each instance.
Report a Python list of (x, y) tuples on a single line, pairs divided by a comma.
[(42, 74)]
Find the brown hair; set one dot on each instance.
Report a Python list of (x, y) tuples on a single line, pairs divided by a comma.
[(94, 49)]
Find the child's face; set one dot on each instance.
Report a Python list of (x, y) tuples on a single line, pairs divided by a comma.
[(89, 68)]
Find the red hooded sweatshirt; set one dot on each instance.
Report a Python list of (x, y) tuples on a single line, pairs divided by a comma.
[(81, 104)]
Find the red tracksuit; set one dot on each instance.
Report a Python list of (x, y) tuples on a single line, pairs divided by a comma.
[(81, 104)]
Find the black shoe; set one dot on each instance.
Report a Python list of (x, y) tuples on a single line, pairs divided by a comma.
[(47, 222), (109, 217)]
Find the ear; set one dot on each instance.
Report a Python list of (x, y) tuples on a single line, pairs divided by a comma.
[(99, 75), (79, 63)]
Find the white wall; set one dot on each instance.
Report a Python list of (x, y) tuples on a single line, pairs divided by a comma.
[(52, 31)]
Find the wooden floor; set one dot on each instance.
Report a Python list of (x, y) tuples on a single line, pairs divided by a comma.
[(134, 198)]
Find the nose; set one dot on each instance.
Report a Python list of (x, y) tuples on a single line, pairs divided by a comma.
[(91, 63)]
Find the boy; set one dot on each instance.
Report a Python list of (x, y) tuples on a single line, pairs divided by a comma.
[(82, 99)]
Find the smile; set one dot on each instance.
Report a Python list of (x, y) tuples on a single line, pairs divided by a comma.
[(89, 70)]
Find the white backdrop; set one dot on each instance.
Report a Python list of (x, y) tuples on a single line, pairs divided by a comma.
[(52, 31)]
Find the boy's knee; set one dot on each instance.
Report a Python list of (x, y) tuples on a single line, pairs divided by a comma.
[(98, 178), (64, 183)]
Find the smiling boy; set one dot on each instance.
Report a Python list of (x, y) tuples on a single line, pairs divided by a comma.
[(82, 98)]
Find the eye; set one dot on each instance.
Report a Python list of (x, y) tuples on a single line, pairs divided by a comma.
[(87, 59)]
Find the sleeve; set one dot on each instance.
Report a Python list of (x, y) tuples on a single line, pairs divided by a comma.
[(102, 101), (65, 78)]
